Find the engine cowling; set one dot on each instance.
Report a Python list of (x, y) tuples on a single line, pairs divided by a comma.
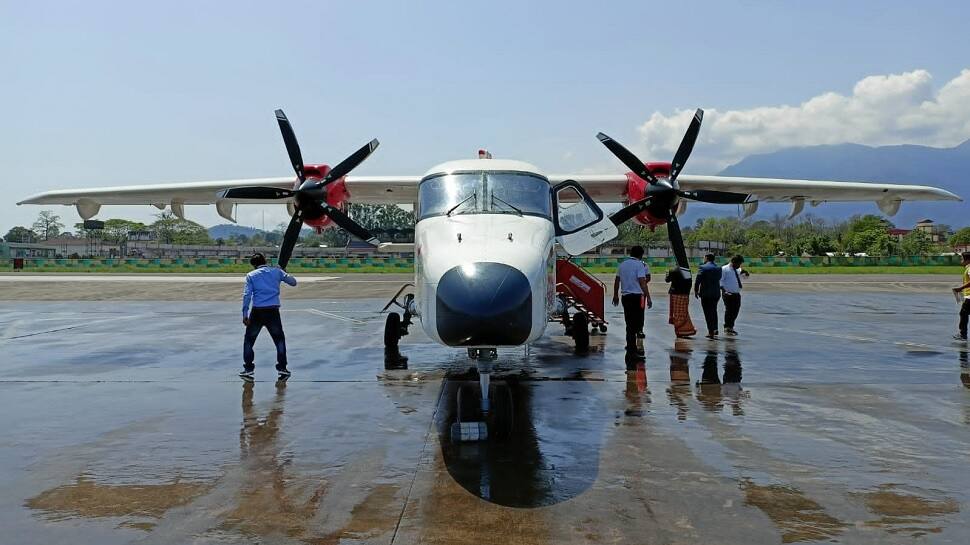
[(637, 188), (337, 196)]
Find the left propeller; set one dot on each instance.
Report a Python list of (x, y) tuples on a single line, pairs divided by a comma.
[(663, 193), (310, 198)]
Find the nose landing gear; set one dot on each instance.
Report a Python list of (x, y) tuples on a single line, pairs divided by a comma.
[(485, 412)]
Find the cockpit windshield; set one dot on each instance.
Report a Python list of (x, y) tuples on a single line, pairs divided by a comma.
[(484, 192)]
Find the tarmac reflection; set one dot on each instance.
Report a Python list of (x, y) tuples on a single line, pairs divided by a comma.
[(550, 453), (713, 391), (270, 500)]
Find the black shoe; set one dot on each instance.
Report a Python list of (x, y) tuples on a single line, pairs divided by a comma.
[(712, 335), (248, 376), (730, 331), (284, 374), (959, 337)]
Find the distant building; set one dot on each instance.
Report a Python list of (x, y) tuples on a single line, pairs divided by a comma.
[(935, 233), (898, 234), (141, 236), (26, 249)]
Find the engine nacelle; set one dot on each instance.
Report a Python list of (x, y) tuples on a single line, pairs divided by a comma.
[(637, 188), (337, 195)]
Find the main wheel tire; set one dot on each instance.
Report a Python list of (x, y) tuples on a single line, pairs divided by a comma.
[(602, 328), (581, 331), (502, 416), (392, 330)]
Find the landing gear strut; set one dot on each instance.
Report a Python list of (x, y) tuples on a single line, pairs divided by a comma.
[(396, 327)]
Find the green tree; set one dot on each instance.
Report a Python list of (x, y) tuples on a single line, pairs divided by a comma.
[(170, 229), (117, 230), (868, 234), (915, 242), (20, 234), (634, 233), (961, 237), (48, 224)]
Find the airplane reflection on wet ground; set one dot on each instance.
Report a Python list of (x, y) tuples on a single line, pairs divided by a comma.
[(810, 427)]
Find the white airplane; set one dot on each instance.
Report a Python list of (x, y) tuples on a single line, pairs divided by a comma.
[(487, 229)]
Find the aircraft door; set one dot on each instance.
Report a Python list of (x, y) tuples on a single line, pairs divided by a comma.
[(580, 224)]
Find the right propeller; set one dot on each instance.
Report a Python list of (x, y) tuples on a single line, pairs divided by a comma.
[(310, 198), (663, 193)]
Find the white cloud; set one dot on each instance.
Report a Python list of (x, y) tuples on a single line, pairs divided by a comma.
[(882, 110)]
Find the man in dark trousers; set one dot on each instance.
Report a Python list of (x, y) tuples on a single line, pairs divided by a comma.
[(262, 289), (632, 277), (707, 287), (731, 292)]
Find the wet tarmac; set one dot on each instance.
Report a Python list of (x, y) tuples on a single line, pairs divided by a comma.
[(838, 417)]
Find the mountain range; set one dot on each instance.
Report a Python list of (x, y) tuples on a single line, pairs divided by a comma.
[(948, 168), (227, 230)]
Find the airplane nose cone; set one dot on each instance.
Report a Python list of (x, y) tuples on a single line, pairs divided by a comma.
[(484, 304)]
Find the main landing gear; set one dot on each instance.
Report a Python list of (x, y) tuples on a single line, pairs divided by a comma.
[(396, 327), (577, 327), (483, 412)]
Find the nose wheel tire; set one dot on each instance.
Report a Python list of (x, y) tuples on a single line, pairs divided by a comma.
[(472, 424), (580, 331)]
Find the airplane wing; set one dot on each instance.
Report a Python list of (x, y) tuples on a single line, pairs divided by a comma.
[(362, 189), (612, 188)]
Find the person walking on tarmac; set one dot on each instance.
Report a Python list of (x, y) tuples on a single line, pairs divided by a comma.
[(964, 290), (632, 277), (707, 288), (262, 289), (731, 292)]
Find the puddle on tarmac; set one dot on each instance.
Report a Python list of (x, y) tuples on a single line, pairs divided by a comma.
[(798, 517), (550, 441), (141, 504), (905, 512)]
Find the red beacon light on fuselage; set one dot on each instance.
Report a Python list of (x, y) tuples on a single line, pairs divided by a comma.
[(484, 154)]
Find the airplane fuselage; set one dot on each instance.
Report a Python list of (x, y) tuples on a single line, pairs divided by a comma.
[(484, 253)]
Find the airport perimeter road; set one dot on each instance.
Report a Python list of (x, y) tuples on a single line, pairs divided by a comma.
[(835, 417)]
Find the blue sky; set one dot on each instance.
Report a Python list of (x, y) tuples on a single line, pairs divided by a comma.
[(108, 93)]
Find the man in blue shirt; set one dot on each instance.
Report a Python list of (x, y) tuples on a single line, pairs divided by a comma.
[(262, 289), (707, 287)]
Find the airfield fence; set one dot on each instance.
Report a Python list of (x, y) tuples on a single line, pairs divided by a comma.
[(406, 263)]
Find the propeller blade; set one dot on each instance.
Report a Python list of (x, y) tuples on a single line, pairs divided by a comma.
[(677, 242), (350, 163), (686, 145), (351, 226), (715, 197), (290, 238), (627, 158), (628, 212), (292, 146), (256, 193)]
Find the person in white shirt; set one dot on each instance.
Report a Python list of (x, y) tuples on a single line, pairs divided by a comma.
[(632, 277), (731, 286)]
